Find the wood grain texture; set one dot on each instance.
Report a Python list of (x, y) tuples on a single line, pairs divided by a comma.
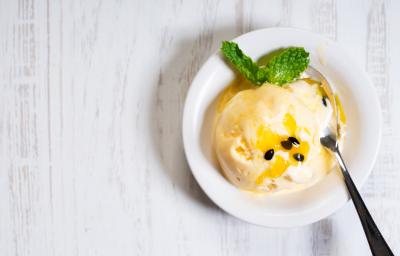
[(324, 19), (91, 103)]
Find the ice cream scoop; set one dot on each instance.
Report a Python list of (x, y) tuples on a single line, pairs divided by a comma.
[(267, 137)]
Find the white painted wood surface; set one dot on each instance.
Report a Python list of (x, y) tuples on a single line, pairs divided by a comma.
[(91, 158)]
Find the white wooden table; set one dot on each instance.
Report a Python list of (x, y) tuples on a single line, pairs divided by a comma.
[(91, 158)]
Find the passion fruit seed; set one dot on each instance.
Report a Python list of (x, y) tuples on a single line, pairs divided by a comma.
[(298, 157), (294, 141), (269, 154), (286, 144), (324, 101)]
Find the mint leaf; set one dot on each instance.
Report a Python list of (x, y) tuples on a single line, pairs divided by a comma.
[(287, 65), (243, 63), (284, 67)]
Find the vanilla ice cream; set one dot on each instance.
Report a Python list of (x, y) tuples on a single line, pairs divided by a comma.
[(267, 137)]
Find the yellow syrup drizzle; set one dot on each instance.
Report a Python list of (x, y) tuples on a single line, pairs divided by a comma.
[(310, 81), (230, 91), (266, 139), (290, 123), (278, 167), (303, 149), (342, 116)]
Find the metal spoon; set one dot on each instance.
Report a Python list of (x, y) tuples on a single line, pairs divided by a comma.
[(329, 140)]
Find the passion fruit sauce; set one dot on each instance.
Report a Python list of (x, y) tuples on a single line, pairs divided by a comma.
[(269, 141)]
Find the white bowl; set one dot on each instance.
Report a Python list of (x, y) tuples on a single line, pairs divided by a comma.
[(361, 146)]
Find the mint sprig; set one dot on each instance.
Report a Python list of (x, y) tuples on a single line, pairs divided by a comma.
[(285, 67)]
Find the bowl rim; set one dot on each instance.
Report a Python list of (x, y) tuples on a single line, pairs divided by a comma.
[(187, 118)]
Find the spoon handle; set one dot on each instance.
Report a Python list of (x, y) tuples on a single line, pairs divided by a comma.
[(376, 241)]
